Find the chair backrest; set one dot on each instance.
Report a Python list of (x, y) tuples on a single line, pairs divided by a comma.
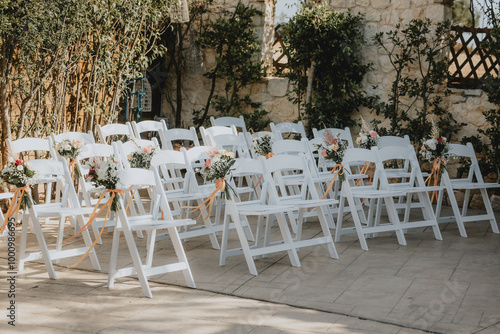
[(170, 136), (385, 141), (26, 145), (235, 143), (287, 127), (354, 156), (467, 151), (85, 138), (148, 126), (95, 150), (197, 153), (238, 122), (108, 130), (216, 131), (123, 150), (407, 155), (344, 134)]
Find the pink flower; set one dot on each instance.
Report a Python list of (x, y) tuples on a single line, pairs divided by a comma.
[(334, 141), (148, 149), (423, 148), (77, 144), (212, 152), (323, 153), (208, 163), (373, 134), (19, 162)]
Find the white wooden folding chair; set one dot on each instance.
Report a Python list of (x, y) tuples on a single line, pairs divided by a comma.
[(123, 150), (183, 193), (356, 194), (412, 185), (68, 207), (238, 122), (5, 196), (159, 218), (238, 211), (384, 141), (114, 132), (474, 181), (151, 127), (216, 131), (281, 129), (187, 137)]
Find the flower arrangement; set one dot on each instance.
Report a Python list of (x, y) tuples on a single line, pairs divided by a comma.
[(19, 175), (70, 149), (435, 147), (218, 167), (104, 174), (263, 146), (333, 148), (367, 138), (141, 158)]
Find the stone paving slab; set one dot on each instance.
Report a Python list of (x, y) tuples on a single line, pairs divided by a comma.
[(449, 286)]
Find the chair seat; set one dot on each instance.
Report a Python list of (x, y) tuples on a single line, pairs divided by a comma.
[(310, 203), (146, 223), (374, 193), (409, 189), (55, 210), (458, 184), (256, 209)]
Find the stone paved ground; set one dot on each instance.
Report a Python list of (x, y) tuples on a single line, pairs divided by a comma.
[(449, 286)]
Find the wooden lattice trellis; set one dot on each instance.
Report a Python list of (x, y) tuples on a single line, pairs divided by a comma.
[(279, 60), (469, 63)]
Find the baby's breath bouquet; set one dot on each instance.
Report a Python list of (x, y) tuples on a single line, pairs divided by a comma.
[(70, 149), (333, 148), (141, 158), (16, 173), (218, 167), (367, 137), (104, 174), (263, 146), (435, 147)]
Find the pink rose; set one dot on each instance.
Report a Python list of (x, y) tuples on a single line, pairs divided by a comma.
[(208, 163), (373, 134), (323, 153), (19, 162), (423, 148), (148, 149), (77, 143)]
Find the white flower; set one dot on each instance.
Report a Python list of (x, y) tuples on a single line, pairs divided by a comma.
[(10, 159), (364, 138), (431, 143), (20, 168)]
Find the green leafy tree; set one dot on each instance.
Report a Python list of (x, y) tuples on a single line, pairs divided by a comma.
[(325, 65), (235, 44), (416, 53), (461, 13)]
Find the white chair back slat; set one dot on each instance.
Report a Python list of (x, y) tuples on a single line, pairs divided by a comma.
[(238, 122)]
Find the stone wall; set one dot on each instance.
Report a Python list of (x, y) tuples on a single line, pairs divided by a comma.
[(380, 15)]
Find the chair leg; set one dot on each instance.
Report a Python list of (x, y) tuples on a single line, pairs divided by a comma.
[(35, 225), (181, 255), (455, 208), (489, 211), (340, 217), (24, 235), (223, 247), (114, 257), (326, 232), (287, 238), (393, 217)]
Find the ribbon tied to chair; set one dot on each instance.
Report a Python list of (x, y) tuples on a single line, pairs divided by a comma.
[(338, 170), (436, 172), (267, 156), (364, 170), (14, 205), (94, 215), (220, 185)]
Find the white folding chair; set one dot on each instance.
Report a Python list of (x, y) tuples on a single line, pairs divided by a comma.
[(238, 212), (4, 196), (412, 185), (158, 218), (171, 136), (67, 207), (238, 122), (183, 193), (474, 181), (114, 131), (123, 150), (384, 141), (216, 131), (148, 126), (288, 128), (355, 194)]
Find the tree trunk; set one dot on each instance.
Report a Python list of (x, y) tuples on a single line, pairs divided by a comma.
[(310, 81), (178, 72), (5, 69)]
